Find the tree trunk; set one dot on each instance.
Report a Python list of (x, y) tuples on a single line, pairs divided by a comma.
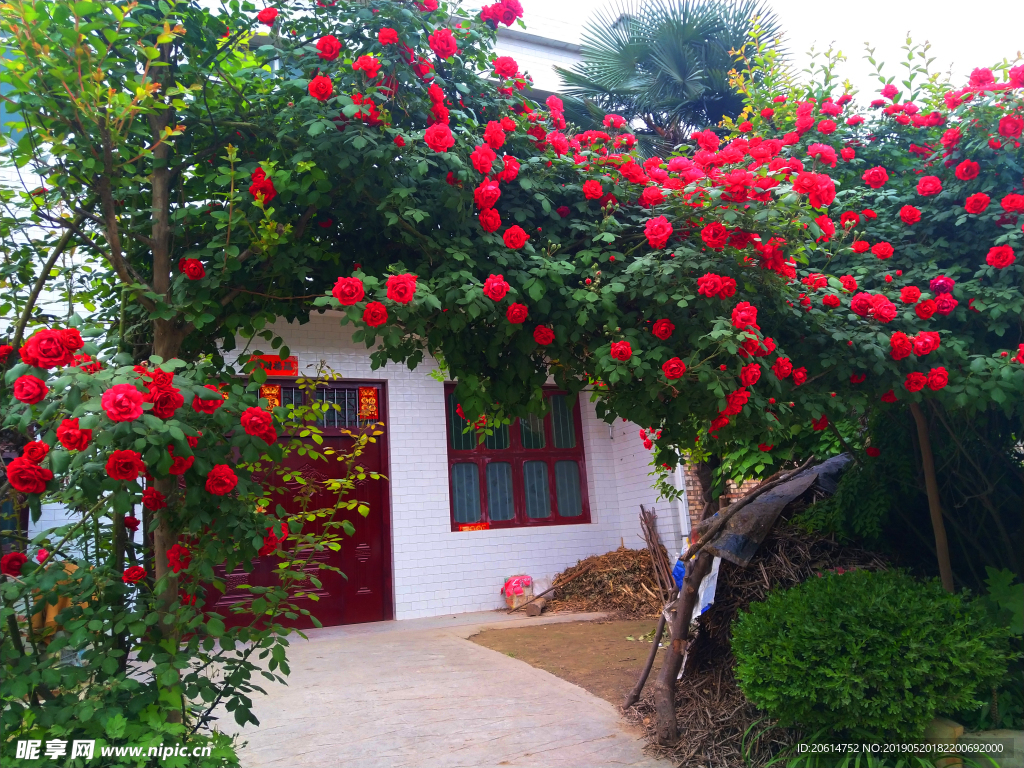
[(665, 686), (934, 503)]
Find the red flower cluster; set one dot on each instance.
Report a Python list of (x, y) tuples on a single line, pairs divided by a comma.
[(259, 423)]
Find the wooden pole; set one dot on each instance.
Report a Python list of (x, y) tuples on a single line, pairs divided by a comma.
[(634, 696), (931, 485)]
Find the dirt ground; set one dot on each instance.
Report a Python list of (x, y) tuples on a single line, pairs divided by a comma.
[(594, 655)]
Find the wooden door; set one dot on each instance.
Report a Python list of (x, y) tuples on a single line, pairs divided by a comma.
[(362, 591)]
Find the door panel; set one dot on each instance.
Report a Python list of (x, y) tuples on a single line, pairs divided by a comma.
[(363, 593)]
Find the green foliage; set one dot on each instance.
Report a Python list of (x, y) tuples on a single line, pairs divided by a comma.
[(864, 654)]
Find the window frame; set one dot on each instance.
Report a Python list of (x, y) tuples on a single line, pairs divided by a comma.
[(517, 456)]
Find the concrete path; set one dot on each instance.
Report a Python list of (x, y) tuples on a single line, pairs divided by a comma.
[(418, 693)]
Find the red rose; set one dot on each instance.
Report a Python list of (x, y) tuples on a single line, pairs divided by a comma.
[(592, 190), (709, 285), (153, 500), (133, 574), (977, 203), (257, 422), (967, 170), (543, 335), (165, 400), (876, 177), (1011, 126), (857, 378), (321, 88), (125, 465), (515, 237), (442, 43), (910, 215), (494, 135), (925, 309), (328, 48), (348, 291), (5, 352), (495, 287), (179, 464), (621, 350), (799, 376), (221, 480), (30, 389), (516, 313), (900, 345), (945, 304), (750, 374), (861, 304), (849, 282), (782, 368), (663, 329), (482, 158), (505, 67), (658, 230), (486, 194), (401, 288), (47, 349), (12, 563), (510, 171), (926, 342), (71, 338), (375, 314), (714, 235), (1000, 256), (71, 437), (368, 64), (882, 250), (439, 137), (26, 476), (872, 452), (35, 451), (132, 523), (820, 424), (831, 301), (179, 557), (929, 185), (562, 211), (744, 315), (674, 368), (261, 188), (208, 405), (889, 397), (122, 402), (267, 16), (490, 220), (728, 288), (915, 381), (193, 269), (849, 219), (387, 36), (1013, 203), (651, 196), (910, 294)]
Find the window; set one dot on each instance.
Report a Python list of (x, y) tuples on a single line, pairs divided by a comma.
[(528, 473), (342, 405)]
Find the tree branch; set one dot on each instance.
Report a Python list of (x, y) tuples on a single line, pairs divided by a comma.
[(58, 249)]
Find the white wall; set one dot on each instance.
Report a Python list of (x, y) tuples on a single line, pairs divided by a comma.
[(436, 570)]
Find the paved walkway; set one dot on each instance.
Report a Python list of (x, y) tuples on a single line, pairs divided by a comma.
[(418, 693)]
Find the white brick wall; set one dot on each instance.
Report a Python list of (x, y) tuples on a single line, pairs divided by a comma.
[(437, 571)]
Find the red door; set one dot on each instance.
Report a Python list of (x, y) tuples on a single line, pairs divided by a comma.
[(362, 591)]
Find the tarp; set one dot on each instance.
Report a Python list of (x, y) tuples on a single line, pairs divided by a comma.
[(742, 535)]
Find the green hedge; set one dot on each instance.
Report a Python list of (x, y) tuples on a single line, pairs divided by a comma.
[(869, 654)]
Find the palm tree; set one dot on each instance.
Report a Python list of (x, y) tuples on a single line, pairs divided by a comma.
[(663, 66)]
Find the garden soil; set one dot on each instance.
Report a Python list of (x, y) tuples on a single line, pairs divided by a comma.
[(595, 655)]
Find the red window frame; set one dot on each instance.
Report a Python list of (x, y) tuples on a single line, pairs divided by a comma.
[(517, 455)]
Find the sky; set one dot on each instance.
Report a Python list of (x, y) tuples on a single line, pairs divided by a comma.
[(961, 39)]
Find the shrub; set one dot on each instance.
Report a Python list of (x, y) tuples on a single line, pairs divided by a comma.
[(866, 654)]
